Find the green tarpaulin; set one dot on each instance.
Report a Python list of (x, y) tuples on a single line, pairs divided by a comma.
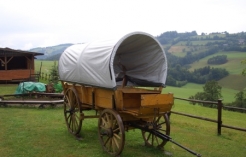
[(26, 87)]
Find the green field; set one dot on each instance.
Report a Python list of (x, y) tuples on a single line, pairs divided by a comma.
[(210, 36), (46, 65), (42, 132), (233, 65), (198, 42), (191, 89)]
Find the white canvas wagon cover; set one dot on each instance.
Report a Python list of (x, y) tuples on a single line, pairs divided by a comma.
[(138, 56)]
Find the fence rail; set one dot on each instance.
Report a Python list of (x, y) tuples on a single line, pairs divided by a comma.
[(220, 106)]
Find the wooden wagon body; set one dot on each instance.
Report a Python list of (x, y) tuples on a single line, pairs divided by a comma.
[(122, 81), (132, 103)]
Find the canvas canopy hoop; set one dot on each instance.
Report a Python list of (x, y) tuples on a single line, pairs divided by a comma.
[(137, 56)]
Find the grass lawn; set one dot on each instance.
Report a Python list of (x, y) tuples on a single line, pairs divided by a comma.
[(7, 88), (29, 131), (42, 132)]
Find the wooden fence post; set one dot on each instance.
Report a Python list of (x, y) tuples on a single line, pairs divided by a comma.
[(219, 121)]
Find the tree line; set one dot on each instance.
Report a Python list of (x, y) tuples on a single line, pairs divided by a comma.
[(179, 76), (216, 60)]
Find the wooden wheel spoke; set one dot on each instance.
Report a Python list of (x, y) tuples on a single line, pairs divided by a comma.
[(152, 139), (72, 111), (114, 123), (77, 116), (149, 134), (162, 125), (162, 130), (111, 132), (116, 143), (110, 144), (108, 120), (105, 122), (117, 136), (76, 124), (158, 119), (70, 121), (106, 141), (116, 130), (156, 138), (101, 126)]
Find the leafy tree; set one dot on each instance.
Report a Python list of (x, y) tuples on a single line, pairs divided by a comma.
[(54, 79), (54, 74), (211, 92), (240, 99), (244, 70), (221, 59)]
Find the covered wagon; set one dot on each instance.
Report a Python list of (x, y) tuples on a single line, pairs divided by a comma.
[(122, 80)]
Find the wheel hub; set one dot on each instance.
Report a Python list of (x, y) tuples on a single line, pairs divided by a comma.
[(108, 132)]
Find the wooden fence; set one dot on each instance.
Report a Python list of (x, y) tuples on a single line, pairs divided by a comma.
[(45, 76), (220, 106)]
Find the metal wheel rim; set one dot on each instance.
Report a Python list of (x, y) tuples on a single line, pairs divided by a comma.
[(162, 125), (111, 132), (72, 111)]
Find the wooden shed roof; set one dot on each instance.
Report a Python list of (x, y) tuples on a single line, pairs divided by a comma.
[(12, 52)]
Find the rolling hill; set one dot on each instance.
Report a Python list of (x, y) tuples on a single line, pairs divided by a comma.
[(52, 52), (190, 51)]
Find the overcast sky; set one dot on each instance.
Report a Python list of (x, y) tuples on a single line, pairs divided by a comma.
[(26, 24)]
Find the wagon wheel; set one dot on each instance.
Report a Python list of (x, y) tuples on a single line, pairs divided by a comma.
[(72, 111), (162, 125), (111, 132)]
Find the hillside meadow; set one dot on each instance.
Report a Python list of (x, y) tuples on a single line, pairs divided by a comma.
[(233, 66), (228, 95)]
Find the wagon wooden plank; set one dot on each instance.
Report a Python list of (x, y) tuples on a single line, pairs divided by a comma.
[(156, 99)]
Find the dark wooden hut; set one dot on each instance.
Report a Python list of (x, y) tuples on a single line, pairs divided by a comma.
[(16, 65)]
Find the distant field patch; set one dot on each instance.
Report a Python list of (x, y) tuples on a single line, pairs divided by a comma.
[(233, 65), (191, 89), (237, 82), (179, 50), (209, 36), (46, 65)]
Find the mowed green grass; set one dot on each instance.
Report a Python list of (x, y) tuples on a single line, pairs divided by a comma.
[(28, 131), (8, 88), (43, 132)]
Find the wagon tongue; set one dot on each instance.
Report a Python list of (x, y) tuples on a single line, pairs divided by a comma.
[(162, 136), (168, 138)]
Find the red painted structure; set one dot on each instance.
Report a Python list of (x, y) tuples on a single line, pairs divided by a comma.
[(16, 65)]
